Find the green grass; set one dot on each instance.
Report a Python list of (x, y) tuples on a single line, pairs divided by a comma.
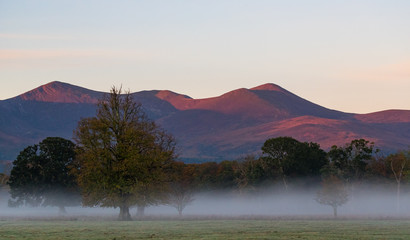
[(207, 229)]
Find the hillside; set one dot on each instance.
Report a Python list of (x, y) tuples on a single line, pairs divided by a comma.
[(210, 129)]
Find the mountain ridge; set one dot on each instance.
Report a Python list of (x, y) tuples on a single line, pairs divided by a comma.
[(61, 92), (208, 129)]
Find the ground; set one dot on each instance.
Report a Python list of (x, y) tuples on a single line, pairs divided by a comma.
[(205, 229)]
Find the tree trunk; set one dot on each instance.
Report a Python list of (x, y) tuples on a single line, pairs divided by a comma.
[(334, 211), (285, 184), (180, 208), (140, 211), (124, 214), (61, 210), (398, 197)]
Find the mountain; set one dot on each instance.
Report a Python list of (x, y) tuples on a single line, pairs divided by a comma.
[(211, 129), (58, 92)]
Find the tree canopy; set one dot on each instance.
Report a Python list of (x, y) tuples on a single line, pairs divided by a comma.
[(290, 157), (351, 160), (121, 155), (41, 175)]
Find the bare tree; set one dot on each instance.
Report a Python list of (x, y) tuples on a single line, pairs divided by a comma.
[(398, 163), (181, 187), (249, 170), (180, 196)]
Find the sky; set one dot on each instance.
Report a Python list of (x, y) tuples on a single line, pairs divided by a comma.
[(352, 56)]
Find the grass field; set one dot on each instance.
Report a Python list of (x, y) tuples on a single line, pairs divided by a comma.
[(207, 229)]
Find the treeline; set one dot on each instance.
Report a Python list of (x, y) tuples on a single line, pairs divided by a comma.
[(121, 159), (287, 162)]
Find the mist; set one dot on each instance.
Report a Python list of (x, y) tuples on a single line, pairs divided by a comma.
[(293, 203), (364, 202)]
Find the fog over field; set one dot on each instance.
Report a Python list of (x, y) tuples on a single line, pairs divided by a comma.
[(366, 202), (370, 203)]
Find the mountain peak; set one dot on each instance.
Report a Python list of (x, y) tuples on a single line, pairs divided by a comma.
[(57, 84), (61, 92), (269, 87), (167, 95)]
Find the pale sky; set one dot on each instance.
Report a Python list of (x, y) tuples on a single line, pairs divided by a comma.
[(352, 56)]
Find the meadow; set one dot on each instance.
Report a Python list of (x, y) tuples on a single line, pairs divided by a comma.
[(206, 229)]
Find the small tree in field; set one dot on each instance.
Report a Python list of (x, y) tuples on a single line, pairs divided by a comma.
[(121, 154), (180, 191), (180, 197), (333, 193)]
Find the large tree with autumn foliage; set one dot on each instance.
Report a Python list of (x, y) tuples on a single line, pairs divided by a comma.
[(121, 155)]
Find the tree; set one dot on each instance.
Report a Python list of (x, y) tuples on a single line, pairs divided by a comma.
[(226, 175), (181, 188), (250, 173), (151, 193), (306, 160), (333, 193), (378, 170), (352, 159), (278, 152), (121, 154), (41, 175), (293, 158), (206, 176), (399, 165), (4, 187), (4, 178)]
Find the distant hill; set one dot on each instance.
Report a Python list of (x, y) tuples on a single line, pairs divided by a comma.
[(212, 129)]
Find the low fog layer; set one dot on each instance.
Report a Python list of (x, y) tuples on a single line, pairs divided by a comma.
[(294, 203), (269, 203)]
